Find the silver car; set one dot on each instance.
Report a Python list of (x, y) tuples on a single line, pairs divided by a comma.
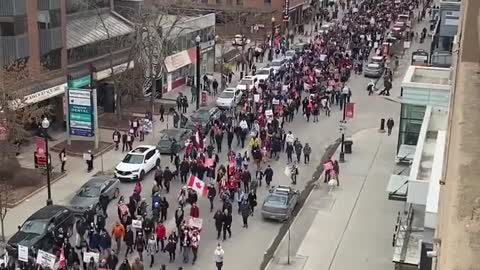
[(90, 193), (373, 70), (280, 203)]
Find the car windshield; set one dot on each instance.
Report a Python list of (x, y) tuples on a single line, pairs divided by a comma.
[(227, 95), (276, 200), (263, 71), (200, 117), (90, 192), (133, 159), (373, 65), (276, 63), (245, 82), (34, 226)]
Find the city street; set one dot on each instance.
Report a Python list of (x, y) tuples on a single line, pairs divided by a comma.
[(246, 248)]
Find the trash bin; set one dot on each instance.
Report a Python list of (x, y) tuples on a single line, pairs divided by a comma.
[(348, 145)]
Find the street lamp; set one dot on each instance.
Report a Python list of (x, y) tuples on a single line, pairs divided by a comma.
[(344, 121), (197, 43), (45, 126), (270, 53), (219, 40)]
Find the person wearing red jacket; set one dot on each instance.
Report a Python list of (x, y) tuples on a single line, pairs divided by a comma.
[(161, 234), (194, 211)]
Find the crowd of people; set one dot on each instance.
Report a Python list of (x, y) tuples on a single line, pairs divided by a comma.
[(313, 82)]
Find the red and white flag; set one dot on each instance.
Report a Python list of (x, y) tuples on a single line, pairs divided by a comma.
[(61, 261), (198, 185)]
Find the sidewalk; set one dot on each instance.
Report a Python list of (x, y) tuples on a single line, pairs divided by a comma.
[(350, 226)]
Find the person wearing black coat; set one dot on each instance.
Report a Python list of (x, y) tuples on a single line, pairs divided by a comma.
[(163, 209), (219, 218), (129, 240), (211, 195), (125, 265), (227, 224), (184, 169), (268, 175), (167, 178)]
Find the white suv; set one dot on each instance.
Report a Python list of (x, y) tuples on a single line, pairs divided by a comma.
[(137, 163)]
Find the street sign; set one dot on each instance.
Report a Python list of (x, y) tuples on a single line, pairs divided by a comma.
[(286, 11), (80, 82), (80, 109)]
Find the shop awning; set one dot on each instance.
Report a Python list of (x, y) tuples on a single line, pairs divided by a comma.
[(90, 28), (180, 59)]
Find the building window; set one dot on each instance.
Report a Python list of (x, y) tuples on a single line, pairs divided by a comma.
[(240, 2), (266, 1), (15, 28), (52, 60), (48, 19), (74, 6)]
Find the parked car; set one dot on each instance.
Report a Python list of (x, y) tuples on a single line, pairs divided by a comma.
[(280, 203), (38, 231), (203, 117), (240, 40), (246, 83), (373, 70), (167, 136), (229, 98), (289, 55), (88, 196), (137, 163), (277, 64), (263, 74)]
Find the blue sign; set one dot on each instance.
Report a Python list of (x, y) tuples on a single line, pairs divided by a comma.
[(80, 111)]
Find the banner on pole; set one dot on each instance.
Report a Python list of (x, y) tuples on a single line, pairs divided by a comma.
[(349, 110)]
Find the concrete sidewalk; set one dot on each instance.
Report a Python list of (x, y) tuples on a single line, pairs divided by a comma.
[(350, 226)]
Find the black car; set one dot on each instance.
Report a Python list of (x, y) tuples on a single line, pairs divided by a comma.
[(39, 230), (180, 135), (203, 117)]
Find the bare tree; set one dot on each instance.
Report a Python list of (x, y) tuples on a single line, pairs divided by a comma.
[(6, 193), (17, 114)]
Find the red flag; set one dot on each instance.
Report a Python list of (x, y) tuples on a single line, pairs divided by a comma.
[(198, 185), (61, 262), (349, 110)]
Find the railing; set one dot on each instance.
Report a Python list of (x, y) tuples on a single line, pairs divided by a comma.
[(12, 7), (14, 47), (50, 39)]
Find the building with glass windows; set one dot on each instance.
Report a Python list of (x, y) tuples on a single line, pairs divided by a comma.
[(421, 87)]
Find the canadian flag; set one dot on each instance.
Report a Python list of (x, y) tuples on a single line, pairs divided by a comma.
[(61, 262), (197, 185)]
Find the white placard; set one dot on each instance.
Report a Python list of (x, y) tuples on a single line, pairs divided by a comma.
[(88, 255), (22, 253), (406, 44), (137, 224), (275, 101), (195, 222), (87, 156), (268, 113), (256, 98), (46, 259)]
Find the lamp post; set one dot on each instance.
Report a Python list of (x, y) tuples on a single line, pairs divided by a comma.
[(45, 126), (342, 153), (270, 53), (218, 40), (197, 43)]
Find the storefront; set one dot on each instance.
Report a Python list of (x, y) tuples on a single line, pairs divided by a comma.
[(49, 93), (101, 81)]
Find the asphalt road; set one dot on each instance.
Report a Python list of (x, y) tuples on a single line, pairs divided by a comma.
[(251, 243)]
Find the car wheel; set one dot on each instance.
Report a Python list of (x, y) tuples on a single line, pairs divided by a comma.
[(116, 193), (141, 176), (157, 163)]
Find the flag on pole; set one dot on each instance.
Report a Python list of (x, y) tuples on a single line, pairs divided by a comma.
[(198, 185), (61, 261)]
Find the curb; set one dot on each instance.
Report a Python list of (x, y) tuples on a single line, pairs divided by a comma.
[(35, 192), (76, 154), (305, 193)]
